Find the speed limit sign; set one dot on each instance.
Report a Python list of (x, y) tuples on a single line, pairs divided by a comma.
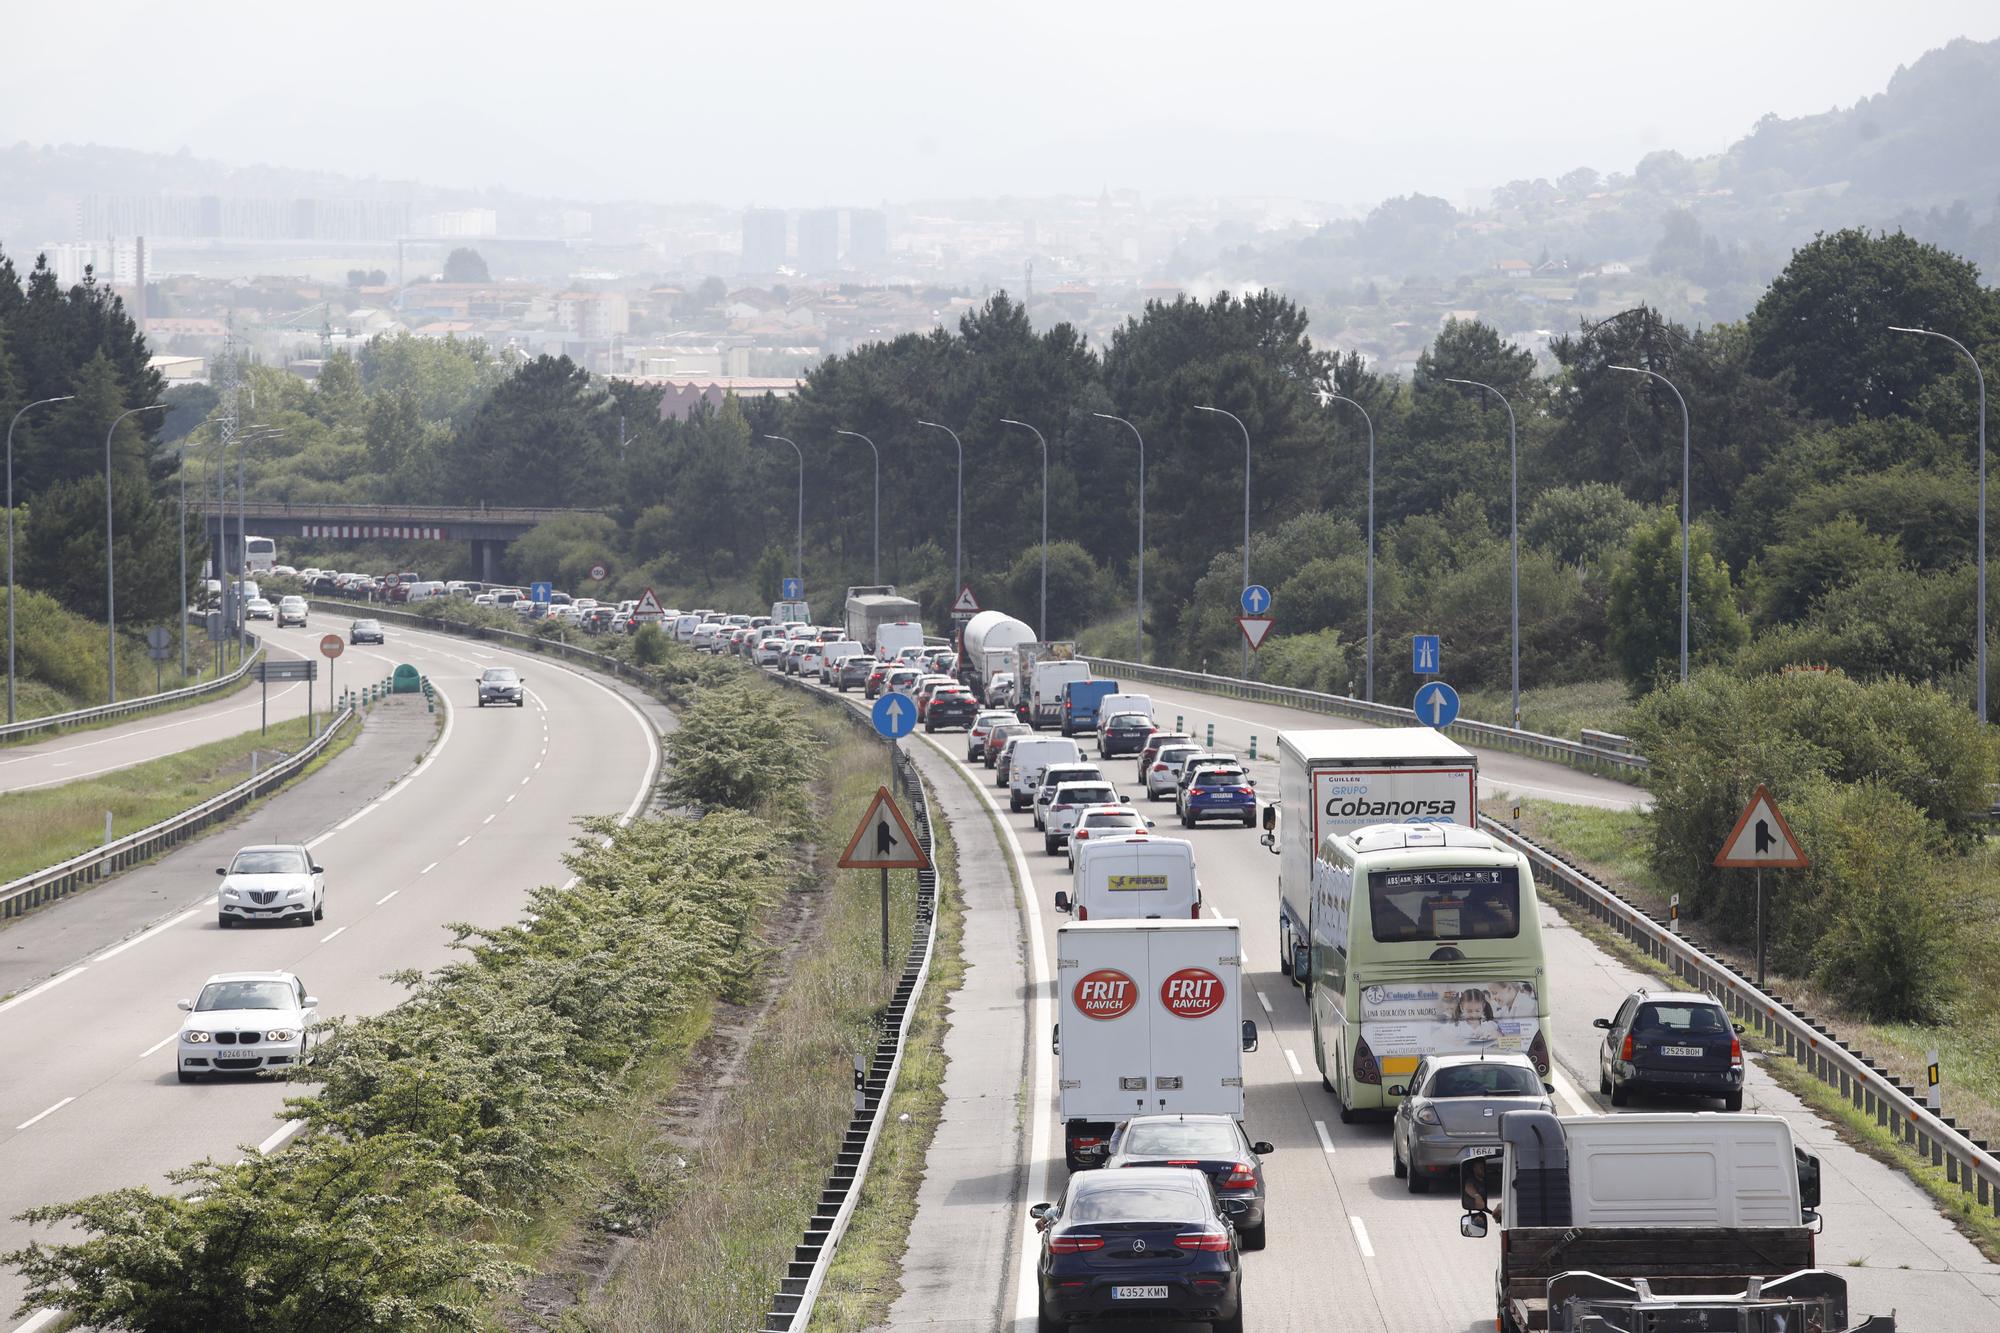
[(599, 573)]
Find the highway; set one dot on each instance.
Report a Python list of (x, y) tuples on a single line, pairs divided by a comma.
[(1350, 1247), (90, 1101)]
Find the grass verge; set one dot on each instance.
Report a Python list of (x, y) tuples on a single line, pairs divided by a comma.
[(1556, 710)]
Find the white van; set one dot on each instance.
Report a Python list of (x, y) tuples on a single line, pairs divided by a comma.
[(1113, 704), (684, 628), (1031, 755), (1135, 878)]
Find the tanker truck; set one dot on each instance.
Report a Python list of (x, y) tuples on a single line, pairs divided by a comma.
[(990, 640)]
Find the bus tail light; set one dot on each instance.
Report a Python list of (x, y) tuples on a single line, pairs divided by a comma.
[(1538, 1054), (1365, 1068)]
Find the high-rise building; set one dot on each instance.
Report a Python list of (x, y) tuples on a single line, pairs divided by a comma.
[(819, 240), (867, 239), (763, 240)]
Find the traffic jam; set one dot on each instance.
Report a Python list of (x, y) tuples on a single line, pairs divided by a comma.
[(1415, 939)]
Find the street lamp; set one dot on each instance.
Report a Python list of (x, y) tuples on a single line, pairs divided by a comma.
[(1246, 510), (878, 496), (110, 562), (1686, 483), (1980, 376), (1042, 626), (958, 539), (1139, 630), (799, 555), (1514, 535), (1341, 398), (260, 434), (39, 402)]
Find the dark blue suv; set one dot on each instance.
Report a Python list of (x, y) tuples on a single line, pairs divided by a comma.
[(1674, 1042), (1147, 1242), (1210, 790)]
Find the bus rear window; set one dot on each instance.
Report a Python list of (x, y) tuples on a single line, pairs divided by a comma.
[(1455, 903)]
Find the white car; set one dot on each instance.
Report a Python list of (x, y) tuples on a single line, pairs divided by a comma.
[(770, 652), (279, 882), (243, 1022), (1067, 804), (291, 611), (1100, 822), (256, 608)]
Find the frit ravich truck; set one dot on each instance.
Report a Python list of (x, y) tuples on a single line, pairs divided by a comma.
[(1149, 1022), (1337, 781), (1654, 1224), (989, 640), (872, 606), (1040, 672)]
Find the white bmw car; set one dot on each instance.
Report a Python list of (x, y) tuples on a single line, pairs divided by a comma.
[(273, 883), (243, 1022)]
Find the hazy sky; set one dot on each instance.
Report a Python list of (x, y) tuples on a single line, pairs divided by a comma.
[(776, 102)]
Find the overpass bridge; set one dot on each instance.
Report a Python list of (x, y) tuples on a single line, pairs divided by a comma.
[(488, 528)]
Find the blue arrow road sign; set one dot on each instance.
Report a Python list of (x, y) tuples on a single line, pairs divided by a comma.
[(1426, 655), (1256, 599), (896, 716), (540, 592), (1437, 704), (793, 589)]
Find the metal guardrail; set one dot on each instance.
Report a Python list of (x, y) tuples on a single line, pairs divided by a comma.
[(55, 722), (1614, 752), (66, 877), (1967, 1162)]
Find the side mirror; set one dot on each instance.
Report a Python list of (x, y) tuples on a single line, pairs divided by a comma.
[(1808, 1181), (1249, 1034), (312, 1001), (1124, 799), (319, 870), (1738, 1027), (1250, 782), (1270, 821), (1472, 1225), (1477, 1175), (1262, 1149), (1270, 842), (1399, 1090), (186, 1006), (1549, 1088), (1062, 901), (1055, 1038), (1604, 1023), (1150, 823), (222, 870)]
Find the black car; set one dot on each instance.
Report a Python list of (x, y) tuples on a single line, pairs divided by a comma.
[(365, 631), (1123, 733), (1214, 1145), (1676, 1042), (1146, 1243), (955, 709)]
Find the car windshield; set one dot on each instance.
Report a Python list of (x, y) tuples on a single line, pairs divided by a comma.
[(1087, 795), (1192, 1138), (499, 675), (245, 995), (367, 625), (1484, 1080), (1172, 755), (1693, 1018), (1129, 722), (277, 861), (1112, 819), (1104, 1202)]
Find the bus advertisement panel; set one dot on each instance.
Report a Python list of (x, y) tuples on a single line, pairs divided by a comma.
[(1460, 1016)]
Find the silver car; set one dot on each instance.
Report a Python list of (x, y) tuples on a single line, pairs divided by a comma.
[(1165, 772), (1451, 1109)]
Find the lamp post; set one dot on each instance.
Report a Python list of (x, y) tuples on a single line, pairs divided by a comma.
[(1139, 628), (799, 553), (1370, 421), (1980, 375), (958, 536), (110, 562), (878, 496), (1686, 483), (25, 408), (1041, 626), (1514, 535), (1246, 509), (260, 434)]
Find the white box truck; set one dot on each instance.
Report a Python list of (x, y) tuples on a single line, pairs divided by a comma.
[(1040, 672), (872, 606), (1338, 781), (1149, 1021)]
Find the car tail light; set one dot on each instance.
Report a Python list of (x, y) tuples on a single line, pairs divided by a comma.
[(1240, 1177), (1365, 1068), (1207, 1286), (1735, 1051), (1212, 1242), (1245, 791), (1159, 768), (1183, 1161), (1194, 913), (1625, 1051), (1058, 808), (1081, 834), (1075, 1244)]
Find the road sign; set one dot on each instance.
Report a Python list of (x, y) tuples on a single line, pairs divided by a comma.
[(216, 627), (882, 840), (159, 643), (1426, 655), (598, 573), (1436, 704), (967, 604), (332, 645), (302, 668), (649, 608), (1255, 629), (1256, 600), (1761, 838), (895, 715), (540, 592), (791, 590)]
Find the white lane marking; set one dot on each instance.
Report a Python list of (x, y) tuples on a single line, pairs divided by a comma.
[(158, 1044), (489, 818), (33, 991), (538, 765), (387, 896), (427, 869), (510, 801), (444, 739), (145, 935), (467, 838), (530, 778), (1325, 1139), (36, 1322), (1264, 1000), (278, 1140), (338, 931), (1568, 1092), (1293, 1061), (46, 1114), (1361, 1237)]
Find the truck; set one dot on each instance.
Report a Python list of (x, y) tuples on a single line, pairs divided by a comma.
[(1336, 781), (1149, 1021), (1664, 1222), (1040, 672), (989, 642), (870, 606)]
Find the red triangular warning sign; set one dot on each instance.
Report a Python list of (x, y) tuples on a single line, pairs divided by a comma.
[(967, 604), (649, 607), (1761, 838), (883, 841), (1255, 629)]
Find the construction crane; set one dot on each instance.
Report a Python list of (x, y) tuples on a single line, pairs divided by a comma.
[(294, 321)]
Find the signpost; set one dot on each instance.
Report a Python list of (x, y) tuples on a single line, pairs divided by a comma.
[(649, 611), (792, 590), (291, 669), (1426, 655), (1255, 629), (883, 841), (330, 647), (159, 647), (541, 592), (1436, 704), (1761, 838)]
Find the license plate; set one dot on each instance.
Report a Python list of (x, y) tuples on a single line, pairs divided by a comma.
[(1138, 1293), (1681, 1050)]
